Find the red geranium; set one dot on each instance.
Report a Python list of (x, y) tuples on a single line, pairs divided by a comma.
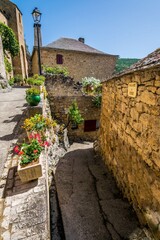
[(16, 149), (35, 151), (20, 153)]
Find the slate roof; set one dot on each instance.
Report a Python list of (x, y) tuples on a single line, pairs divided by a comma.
[(151, 60), (73, 45)]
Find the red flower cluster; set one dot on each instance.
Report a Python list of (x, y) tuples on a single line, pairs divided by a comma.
[(39, 139), (46, 144), (35, 151), (16, 149), (20, 153), (35, 136)]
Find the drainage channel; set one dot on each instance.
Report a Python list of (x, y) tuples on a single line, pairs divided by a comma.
[(56, 223)]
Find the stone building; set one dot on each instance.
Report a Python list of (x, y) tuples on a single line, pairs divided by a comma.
[(62, 91), (80, 59), (12, 16), (129, 137)]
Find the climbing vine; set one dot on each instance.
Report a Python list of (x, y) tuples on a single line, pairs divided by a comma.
[(9, 40), (8, 65)]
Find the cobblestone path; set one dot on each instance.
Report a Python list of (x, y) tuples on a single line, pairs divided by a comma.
[(91, 205)]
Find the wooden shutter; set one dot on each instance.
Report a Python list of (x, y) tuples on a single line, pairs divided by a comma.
[(89, 125), (59, 59)]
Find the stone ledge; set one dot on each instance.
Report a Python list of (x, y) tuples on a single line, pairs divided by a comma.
[(24, 206)]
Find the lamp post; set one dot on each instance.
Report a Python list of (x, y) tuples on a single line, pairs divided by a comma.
[(36, 14)]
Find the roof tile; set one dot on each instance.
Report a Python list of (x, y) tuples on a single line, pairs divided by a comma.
[(74, 45)]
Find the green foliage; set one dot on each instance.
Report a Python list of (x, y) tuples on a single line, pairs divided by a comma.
[(56, 70), (74, 114), (11, 82), (32, 91), (123, 63), (39, 123), (8, 65), (30, 152), (91, 85), (39, 77), (36, 80), (18, 78), (9, 40), (32, 81), (97, 101)]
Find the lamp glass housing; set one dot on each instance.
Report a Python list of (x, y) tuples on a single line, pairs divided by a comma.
[(36, 14)]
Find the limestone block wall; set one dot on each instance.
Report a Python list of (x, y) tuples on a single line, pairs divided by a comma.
[(2, 65), (129, 141), (79, 64), (3, 19), (14, 17)]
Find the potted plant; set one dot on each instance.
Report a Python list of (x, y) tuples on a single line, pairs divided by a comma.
[(36, 81), (33, 96), (91, 85), (74, 115), (38, 124), (29, 166)]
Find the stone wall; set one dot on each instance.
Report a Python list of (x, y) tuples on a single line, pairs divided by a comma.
[(3, 78), (79, 64), (3, 19), (14, 17), (61, 93), (2, 65), (129, 141)]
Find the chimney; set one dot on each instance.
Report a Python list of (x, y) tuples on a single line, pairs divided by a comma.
[(81, 39)]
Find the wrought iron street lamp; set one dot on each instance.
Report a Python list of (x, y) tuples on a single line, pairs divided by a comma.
[(36, 14)]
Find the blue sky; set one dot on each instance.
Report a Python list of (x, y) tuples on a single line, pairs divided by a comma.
[(128, 28)]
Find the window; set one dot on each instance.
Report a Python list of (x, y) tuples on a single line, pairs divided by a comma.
[(91, 125), (59, 59)]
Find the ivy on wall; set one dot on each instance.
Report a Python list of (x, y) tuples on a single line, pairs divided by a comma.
[(9, 41)]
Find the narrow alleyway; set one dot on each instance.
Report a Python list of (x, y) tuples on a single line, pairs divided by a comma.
[(11, 108), (91, 205)]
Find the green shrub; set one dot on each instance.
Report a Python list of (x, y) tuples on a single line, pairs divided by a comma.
[(97, 100), (9, 41), (56, 70), (32, 91), (8, 65), (36, 82), (91, 85), (11, 82), (74, 114), (18, 78), (39, 77)]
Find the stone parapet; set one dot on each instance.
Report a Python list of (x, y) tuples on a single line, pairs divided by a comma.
[(62, 92)]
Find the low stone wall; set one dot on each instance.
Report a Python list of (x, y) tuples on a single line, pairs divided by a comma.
[(129, 141), (24, 207), (61, 93)]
